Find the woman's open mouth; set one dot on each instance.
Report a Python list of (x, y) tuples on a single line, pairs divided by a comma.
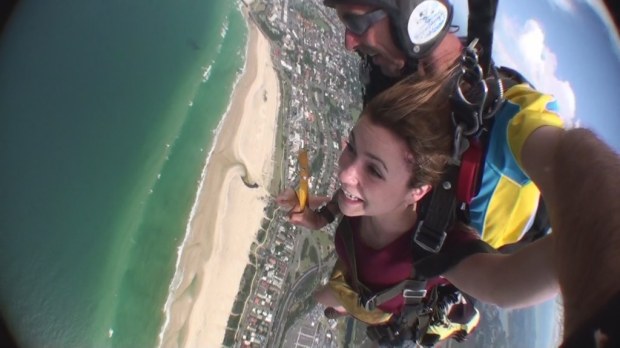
[(350, 196)]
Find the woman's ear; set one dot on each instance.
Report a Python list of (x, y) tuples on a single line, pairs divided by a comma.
[(418, 192)]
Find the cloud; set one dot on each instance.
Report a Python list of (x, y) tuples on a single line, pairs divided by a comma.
[(523, 47)]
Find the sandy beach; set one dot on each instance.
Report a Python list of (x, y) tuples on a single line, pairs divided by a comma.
[(228, 213)]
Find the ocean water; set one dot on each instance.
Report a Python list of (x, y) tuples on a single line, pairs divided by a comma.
[(108, 111)]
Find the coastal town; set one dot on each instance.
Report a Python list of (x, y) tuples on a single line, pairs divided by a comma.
[(320, 99)]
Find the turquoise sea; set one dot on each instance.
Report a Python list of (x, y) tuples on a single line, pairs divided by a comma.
[(108, 111)]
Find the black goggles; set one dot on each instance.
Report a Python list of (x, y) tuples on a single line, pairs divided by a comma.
[(359, 23)]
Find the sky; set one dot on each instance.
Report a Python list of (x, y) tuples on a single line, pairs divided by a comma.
[(568, 48)]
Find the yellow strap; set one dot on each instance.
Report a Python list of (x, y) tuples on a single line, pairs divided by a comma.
[(349, 299)]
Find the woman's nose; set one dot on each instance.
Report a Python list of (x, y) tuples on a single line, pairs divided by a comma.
[(351, 40), (348, 173)]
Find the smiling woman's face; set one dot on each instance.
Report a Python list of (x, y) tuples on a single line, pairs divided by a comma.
[(375, 172)]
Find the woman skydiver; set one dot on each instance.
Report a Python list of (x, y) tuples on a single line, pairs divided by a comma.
[(396, 154)]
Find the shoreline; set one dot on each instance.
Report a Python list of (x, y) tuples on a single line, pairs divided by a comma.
[(236, 179)]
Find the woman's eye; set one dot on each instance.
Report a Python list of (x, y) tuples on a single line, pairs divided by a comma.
[(375, 172)]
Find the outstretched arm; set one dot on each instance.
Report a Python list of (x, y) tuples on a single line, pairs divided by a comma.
[(523, 278), (579, 177)]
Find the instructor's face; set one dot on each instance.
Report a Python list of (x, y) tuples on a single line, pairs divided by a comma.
[(377, 41)]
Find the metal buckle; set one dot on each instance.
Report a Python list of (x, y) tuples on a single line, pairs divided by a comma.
[(410, 293), (470, 113), (460, 145), (424, 240), (370, 304)]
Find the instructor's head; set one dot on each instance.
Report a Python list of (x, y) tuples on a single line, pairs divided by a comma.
[(396, 35)]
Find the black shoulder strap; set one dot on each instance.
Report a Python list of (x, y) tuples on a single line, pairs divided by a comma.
[(431, 231), (437, 264), (411, 289), (480, 25)]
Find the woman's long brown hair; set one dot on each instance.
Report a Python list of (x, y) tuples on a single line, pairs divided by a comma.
[(418, 110)]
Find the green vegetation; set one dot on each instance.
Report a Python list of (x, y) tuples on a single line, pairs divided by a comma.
[(239, 304), (278, 248), (321, 24), (323, 238), (277, 180), (304, 10), (355, 112), (298, 309), (332, 104), (307, 59), (237, 308), (261, 235), (233, 321), (314, 256), (311, 14), (304, 265), (229, 337), (317, 163), (252, 261), (272, 33), (258, 7), (304, 249)]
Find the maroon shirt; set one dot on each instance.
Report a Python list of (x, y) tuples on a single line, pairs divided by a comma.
[(383, 268)]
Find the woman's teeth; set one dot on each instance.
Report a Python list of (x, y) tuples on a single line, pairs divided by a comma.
[(350, 196)]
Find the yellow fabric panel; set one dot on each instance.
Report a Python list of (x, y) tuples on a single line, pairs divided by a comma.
[(349, 299), (509, 212), (445, 331), (533, 115)]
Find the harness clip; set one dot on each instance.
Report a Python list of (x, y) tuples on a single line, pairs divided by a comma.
[(369, 304), (468, 107), (428, 239), (414, 294)]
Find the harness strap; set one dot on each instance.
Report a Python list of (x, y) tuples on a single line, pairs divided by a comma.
[(413, 292), (431, 232), (468, 117), (412, 323), (480, 25), (472, 114), (415, 317), (438, 264)]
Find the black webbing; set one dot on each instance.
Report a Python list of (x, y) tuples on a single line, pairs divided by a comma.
[(431, 232), (437, 264), (480, 25)]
